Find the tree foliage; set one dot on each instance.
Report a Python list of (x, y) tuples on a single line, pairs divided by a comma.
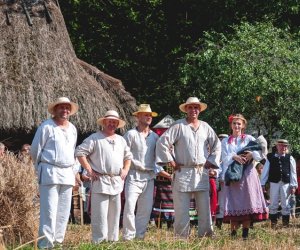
[(254, 71), (145, 44)]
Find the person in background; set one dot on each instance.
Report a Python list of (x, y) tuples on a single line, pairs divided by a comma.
[(2, 149), (163, 208), (297, 193), (220, 192), (243, 200), (24, 154), (86, 183), (106, 158), (190, 138), (280, 171), (139, 185), (259, 168), (52, 151), (75, 201)]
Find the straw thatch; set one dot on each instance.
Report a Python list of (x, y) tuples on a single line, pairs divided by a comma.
[(38, 64)]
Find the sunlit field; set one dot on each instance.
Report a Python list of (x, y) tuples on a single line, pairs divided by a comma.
[(19, 222), (260, 237)]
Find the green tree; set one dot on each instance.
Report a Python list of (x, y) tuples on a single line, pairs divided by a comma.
[(143, 42), (254, 71)]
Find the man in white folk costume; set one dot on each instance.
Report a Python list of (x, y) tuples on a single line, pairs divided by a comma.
[(139, 185), (196, 150), (106, 158), (52, 150)]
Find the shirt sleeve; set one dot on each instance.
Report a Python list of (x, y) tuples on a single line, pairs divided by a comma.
[(85, 148), (158, 169), (258, 155), (164, 145), (38, 143), (294, 182), (227, 156), (214, 156), (265, 173), (129, 138), (127, 152)]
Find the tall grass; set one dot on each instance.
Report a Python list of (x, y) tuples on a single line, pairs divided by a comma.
[(260, 237), (19, 220)]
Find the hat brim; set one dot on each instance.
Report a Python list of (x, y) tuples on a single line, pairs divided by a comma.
[(120, 125), (283, 143), (203, 106), (153, 114), (74, 107)]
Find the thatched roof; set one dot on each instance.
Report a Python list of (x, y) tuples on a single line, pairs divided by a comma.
[(38, 64)]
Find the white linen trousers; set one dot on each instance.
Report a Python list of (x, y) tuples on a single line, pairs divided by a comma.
[(55, 205), (280, 193), (138, 193), (105, 217), (182, 217)]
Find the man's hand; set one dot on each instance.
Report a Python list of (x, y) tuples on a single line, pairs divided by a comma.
[(123, 173), (85, 177), (212, 172), (77, 180), (93, 175), (174, 165), (209, 165)]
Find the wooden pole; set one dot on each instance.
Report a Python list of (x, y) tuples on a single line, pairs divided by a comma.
[(81, 209)]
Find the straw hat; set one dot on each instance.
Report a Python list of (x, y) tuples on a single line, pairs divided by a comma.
[(192, 100), (63, 100), (145, 108), (111, 114), (282, 141)]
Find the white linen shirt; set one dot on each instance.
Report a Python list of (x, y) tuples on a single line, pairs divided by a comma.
[(190, 148), (107, 158), (230, 149), (52, 150), (143, 150), (293, 173)]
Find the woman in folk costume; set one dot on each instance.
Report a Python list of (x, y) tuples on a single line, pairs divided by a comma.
[(244, 200)]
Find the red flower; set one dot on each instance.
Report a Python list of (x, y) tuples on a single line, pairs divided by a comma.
[(230, 118)]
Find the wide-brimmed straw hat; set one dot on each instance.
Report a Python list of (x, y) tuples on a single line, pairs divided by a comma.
[(282, 141), (145, 108), (111, 114), (192, 100), (63, 100)]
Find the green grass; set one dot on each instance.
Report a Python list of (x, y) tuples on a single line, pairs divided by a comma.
[(261, 237)]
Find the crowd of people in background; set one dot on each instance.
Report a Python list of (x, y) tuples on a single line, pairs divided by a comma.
[(230, 178)]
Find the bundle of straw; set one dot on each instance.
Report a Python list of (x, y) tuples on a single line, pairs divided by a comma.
[(18, 200), (2, 246)]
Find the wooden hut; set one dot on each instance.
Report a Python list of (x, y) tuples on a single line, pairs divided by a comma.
[(38, 64)]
